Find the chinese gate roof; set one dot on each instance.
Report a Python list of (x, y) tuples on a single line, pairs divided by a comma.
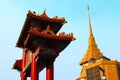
[(41, 20)]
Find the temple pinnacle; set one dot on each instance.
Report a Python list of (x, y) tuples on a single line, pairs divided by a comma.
[(90, 26)]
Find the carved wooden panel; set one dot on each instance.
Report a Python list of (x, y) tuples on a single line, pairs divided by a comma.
[(28, 58)]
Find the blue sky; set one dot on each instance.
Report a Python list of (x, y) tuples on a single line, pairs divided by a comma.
[(105, 19)]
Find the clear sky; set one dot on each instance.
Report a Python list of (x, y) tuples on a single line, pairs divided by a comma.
[(105, 19)]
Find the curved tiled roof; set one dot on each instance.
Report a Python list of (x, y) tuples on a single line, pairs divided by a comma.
[(61, 36), (42, 20), (44, 17)]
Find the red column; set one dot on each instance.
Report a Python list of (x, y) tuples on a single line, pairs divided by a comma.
[(23, 65), (37, 77), (50, 72), (33, 68)]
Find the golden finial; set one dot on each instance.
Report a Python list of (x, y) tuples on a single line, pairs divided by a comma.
[(88, 7), (90, 26)]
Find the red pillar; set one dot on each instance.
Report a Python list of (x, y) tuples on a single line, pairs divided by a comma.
[(33, 68), (37, 75), (23, 65), (50, 72)]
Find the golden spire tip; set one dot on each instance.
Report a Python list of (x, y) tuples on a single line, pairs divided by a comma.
[(90, 26), (88, 7)]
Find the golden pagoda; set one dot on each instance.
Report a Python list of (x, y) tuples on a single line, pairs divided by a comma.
[(95, 66)]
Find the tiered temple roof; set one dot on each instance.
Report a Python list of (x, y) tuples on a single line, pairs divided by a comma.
[(41, 20)]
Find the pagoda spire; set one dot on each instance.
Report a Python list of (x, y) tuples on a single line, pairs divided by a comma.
[(92, 51), (91, 37), (90, 26)]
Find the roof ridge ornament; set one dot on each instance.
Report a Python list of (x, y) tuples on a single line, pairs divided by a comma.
[(48, 31), (44, 14)]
